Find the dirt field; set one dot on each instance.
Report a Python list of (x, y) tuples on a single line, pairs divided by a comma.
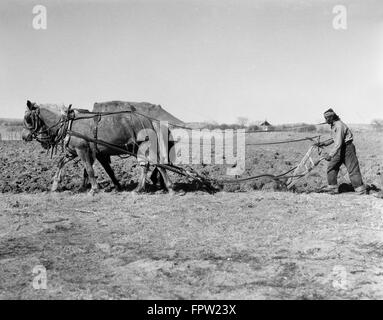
[(253, 241)]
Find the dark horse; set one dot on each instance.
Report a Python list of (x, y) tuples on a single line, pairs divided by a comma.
[(48, 124)]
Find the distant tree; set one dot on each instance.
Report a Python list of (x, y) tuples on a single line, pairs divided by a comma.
[(253, 127), (242, 121), (11, 123), (211, 125), (307, 128)]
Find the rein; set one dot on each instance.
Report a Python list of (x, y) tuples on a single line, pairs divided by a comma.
[(36, 126)]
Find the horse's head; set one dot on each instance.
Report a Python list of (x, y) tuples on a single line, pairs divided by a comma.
[(34, 126)]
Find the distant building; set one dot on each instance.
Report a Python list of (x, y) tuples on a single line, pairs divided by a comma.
[(265, 126)]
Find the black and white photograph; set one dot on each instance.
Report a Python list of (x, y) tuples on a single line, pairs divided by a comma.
[(198, 150)]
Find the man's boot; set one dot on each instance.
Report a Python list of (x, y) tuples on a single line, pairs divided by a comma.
[(378, 194), (331, 189)]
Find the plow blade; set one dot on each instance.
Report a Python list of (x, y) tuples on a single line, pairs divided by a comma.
[(304, 168)]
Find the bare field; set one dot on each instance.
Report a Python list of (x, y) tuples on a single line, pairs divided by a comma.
[(254, 245), (248, 242)]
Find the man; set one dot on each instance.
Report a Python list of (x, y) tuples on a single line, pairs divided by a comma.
[(343, 152)]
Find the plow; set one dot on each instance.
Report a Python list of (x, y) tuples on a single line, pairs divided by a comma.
[(306, 165), (289, 178)]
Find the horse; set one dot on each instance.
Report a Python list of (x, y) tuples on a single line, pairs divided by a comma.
[(49, 124), (157, 114)]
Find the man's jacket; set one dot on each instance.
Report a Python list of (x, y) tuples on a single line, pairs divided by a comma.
[(341, 134)]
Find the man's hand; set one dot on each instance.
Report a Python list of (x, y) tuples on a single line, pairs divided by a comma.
[(327, 157), (325, 143)]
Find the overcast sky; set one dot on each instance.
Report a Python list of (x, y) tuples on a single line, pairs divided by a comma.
[(200, 59)]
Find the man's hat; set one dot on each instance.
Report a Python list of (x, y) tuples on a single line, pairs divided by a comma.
[(329, 112)]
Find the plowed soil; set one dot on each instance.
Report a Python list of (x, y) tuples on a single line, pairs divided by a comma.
[(26, 167)]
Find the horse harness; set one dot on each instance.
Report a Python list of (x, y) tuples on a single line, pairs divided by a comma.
[(96, 120)]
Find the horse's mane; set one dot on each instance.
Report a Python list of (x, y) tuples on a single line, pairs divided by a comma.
[(51, 112), (52, 107)]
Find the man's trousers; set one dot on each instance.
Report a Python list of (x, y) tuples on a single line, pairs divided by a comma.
[(346, 155)]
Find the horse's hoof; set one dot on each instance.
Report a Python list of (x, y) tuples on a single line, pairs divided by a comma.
[(92, 192), (171, 192)]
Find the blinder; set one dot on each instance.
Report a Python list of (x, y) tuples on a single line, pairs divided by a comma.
[(36, 127), (32, 121)]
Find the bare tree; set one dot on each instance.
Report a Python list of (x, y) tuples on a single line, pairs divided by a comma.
[(242, 121)]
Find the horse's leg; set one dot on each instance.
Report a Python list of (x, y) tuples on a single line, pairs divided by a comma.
[(141, 183), (57, 177), (167, 181), (85, 181), (88, 160), (155, 177), (105, 162)]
